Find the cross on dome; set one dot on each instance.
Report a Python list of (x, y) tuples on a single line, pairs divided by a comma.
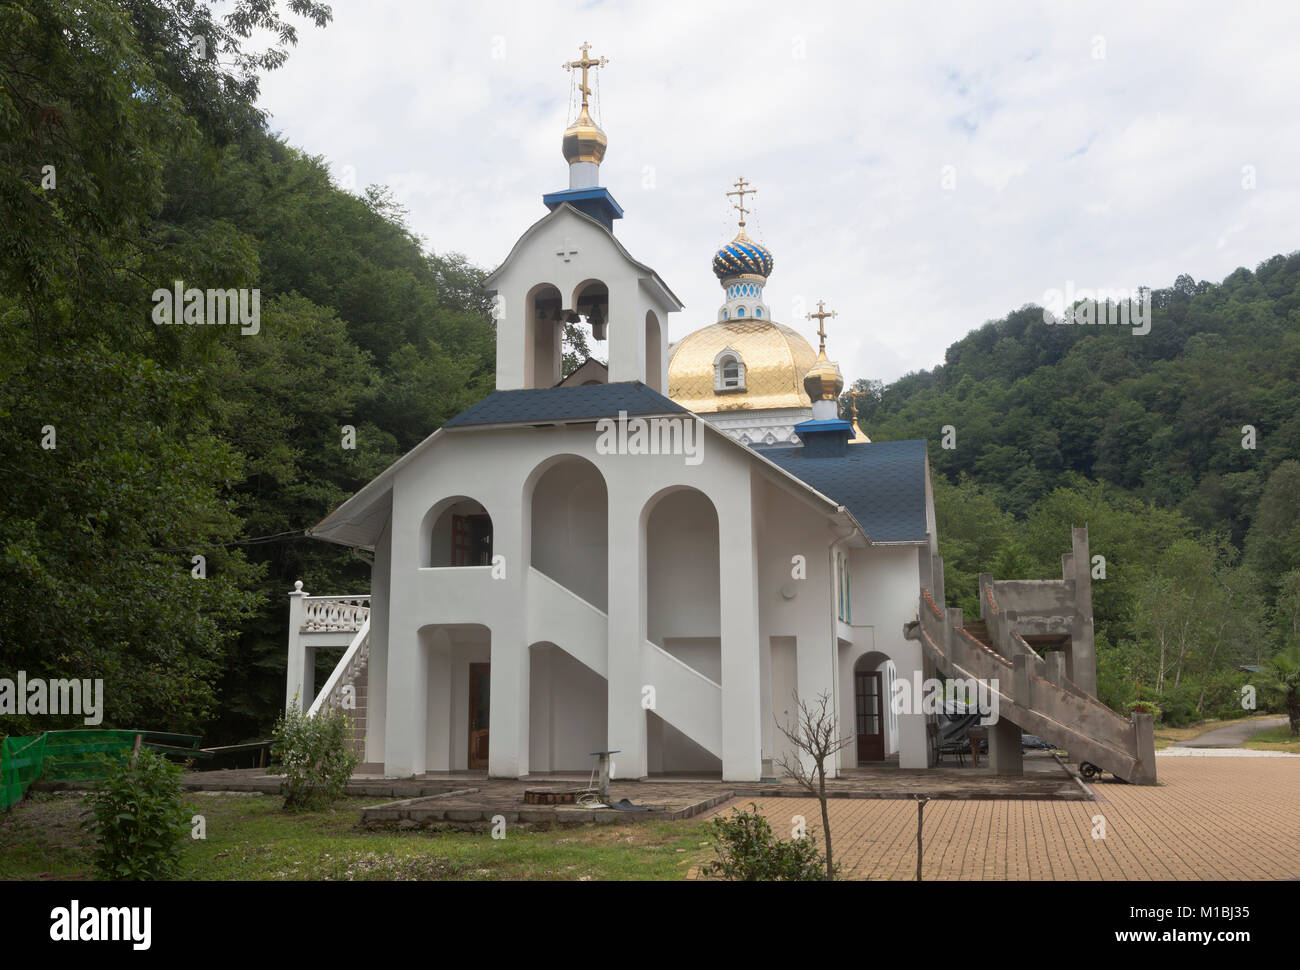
[(583, 140), (821, 316), (584, 64), (742, 257), (742, 190)]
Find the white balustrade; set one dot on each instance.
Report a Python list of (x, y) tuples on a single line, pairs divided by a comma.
[(334, 614)]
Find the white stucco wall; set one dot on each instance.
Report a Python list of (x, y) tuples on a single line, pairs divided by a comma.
[(682, 560), (494, 467), (569, 710), (885, 589), (804, 623), (697, 558), (570, 529)]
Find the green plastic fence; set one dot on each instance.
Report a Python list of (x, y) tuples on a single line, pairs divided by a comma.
[(75, 756)]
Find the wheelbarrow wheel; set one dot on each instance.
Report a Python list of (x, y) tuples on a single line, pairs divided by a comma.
[(1088, 770)]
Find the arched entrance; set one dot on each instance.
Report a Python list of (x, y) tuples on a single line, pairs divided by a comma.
[(872, 720), (568, 508), (680, 533), (456, 676)]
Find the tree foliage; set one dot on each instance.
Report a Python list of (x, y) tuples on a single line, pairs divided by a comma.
[(1144, 440), (133, 154)]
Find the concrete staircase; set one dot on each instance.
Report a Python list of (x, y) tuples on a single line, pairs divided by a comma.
[(346, 688), (685, 698), (1034, 693)]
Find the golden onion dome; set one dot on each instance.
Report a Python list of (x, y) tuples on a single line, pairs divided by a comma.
[(584, 141), (775, 359), (823, 381)]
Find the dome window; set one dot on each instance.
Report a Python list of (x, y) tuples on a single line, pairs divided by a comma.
[(728, 372)]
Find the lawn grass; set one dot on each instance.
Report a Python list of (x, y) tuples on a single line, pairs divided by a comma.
[(249, 838), (1274, 739)]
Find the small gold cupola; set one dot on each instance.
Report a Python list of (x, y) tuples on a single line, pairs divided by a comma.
[(584, 142), (584, 148), (823, 382), (859, 436)]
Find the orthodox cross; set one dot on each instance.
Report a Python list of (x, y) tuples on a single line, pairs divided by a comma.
[(567, 250), (742, 189), (584, 64), (820, 316)]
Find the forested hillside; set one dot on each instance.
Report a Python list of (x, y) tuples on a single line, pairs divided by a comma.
[(1144, 439), (133, 155)]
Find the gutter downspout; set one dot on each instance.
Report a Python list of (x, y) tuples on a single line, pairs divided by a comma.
[(850, 526)]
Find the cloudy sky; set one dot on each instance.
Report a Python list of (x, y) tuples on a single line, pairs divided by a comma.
[(921, 167)]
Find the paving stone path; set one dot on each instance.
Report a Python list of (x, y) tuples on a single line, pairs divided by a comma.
[(1209, 818)]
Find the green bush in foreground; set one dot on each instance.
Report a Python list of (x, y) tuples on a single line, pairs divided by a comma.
[(138, 819), (316, 757), (748, 851)]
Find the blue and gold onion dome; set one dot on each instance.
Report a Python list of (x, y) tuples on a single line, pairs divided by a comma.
[(742, 257)]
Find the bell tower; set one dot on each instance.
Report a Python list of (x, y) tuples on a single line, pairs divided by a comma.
[(569, 269)]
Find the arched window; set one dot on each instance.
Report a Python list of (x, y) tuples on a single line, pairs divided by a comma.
[(728, 372), (740, 311), (456, 532), (758, 311)]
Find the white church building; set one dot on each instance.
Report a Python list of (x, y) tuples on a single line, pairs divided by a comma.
[(617, 563)]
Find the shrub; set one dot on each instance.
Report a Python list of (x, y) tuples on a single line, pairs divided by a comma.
[(316, 757), (138, 819), (748, 851), (1144, 707), (1177, 707), (1281, 679)]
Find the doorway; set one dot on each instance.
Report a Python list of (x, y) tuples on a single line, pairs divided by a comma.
[(471, 540), (479, 695), (869, 709)]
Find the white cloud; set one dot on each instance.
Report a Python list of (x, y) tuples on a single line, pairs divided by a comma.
[(1106, 172)]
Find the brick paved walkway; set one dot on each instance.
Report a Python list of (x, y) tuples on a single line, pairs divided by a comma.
[(1210, 818)]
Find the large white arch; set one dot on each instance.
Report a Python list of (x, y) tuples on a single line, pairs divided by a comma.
[(566, 501)]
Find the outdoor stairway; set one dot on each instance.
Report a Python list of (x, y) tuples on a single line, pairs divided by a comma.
[(1034, 693), (346, 687), (684, 697), (980, 631)]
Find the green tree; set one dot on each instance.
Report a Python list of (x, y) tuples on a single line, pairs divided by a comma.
[(1282, 678)]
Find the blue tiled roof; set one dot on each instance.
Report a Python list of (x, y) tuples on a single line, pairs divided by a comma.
[(538, 405), (881, 483)]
